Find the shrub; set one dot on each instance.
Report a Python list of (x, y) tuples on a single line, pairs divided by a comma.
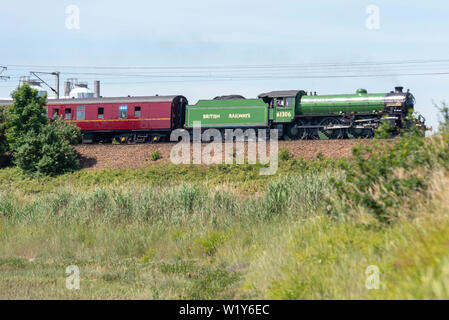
[(3, 142), (284, 154), (443, 108), (382, 178), (50, 152), (210, 243), (37, 145), (155, 155), (320, 156), (67, 131), (385, 130)]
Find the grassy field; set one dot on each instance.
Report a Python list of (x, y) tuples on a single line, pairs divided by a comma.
[(219, 232)]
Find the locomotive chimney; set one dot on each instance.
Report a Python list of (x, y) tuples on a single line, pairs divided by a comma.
[(398, 89), (96, 89)]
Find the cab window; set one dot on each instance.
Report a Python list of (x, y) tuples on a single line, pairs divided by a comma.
[(288, 102), (279, 102)]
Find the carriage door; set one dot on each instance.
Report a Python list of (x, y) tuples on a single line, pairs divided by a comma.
[(80, 113), (178, 112)]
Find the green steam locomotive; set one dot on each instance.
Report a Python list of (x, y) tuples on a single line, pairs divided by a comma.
[(301, 115)]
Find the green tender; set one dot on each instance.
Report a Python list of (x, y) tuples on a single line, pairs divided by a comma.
[(228, 113)]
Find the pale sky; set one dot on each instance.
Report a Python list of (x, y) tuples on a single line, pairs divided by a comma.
[(226, 33)]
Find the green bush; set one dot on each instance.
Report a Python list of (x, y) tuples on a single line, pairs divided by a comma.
[(209, 243), (50, 152), (284, 154), (3, 142), (382, 178), (67, 131), (443, 108), (385, 130), (155, 155), (37, 145)]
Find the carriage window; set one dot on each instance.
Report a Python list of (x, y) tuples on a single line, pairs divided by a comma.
[(68, 114), (123, 112), (100, 113), (81, 113), (55, 113), (137, 112)]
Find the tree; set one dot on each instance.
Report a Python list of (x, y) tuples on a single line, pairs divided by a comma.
[(26, 116), (39, 146), (50, 152), (3, 142)]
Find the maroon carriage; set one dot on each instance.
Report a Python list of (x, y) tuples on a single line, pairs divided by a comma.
[(127, 119)]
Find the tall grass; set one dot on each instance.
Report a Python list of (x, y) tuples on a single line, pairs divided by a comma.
[(223, 232), (186, 204), (245, 178)]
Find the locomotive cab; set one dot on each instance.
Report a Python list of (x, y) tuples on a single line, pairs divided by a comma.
[(282, 104)]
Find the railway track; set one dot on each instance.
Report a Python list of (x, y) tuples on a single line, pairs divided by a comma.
[(102, 156)]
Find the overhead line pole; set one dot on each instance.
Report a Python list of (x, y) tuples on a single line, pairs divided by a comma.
[(4, 77), (56, 73)]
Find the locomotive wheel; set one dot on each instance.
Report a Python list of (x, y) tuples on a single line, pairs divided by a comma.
[(294, 132), (360, 133), (330, 133)]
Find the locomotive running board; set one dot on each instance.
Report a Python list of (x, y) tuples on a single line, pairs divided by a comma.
[(337, 127)]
